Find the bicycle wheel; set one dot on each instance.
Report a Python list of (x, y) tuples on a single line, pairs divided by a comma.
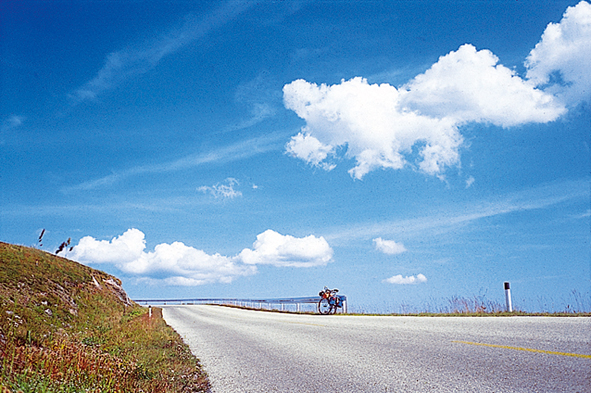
[(333, 308), (324, 306)]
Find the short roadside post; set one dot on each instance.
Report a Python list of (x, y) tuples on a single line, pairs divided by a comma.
[(149, 311), (508, 296)]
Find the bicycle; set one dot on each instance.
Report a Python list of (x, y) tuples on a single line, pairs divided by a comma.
[(329, 302)]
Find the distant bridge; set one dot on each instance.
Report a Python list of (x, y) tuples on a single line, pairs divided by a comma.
[(283, 304)]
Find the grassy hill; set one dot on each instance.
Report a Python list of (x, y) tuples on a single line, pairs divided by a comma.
[(65, 327)]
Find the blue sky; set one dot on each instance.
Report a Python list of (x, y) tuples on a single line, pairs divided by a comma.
[(405, 152)]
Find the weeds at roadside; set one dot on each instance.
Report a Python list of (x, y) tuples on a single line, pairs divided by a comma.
[(457, 306), (66, 328)]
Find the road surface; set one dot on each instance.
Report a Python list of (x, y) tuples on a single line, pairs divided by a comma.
[(254, 351)]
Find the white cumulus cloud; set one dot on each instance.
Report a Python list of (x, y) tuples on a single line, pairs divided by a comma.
[(470, 86), (560, 61), (406, 280), (120, 250), (179, 264), (367, 120), (389, 246), (309, 149), (381, 126), (272, 248), (176, 263)]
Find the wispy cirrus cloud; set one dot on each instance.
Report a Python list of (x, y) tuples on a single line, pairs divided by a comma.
[(12, 122), (127, 63), (540, 197), (238, 151), (583, 215), (261, 97)]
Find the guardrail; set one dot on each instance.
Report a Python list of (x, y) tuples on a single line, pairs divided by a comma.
[(283, 304)]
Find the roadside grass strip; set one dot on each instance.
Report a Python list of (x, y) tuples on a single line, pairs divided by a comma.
[(577, 355)]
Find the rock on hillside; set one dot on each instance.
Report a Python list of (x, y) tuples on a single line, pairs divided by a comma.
[(41, 289), (67, 327)]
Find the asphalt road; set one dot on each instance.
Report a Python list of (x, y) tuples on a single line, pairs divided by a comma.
[(254, 351)]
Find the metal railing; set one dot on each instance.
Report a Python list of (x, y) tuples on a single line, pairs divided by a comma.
[(283, 304)]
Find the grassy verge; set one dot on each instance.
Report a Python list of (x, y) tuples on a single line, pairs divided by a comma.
[(65, 327), (485, 314), (454, 313)]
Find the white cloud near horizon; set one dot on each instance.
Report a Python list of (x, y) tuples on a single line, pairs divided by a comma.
[(272, 248), (389, 247), (123, 249), (126, 63), (383, 127), (174, 262), (559, 63), (399, 280), (178, 264)]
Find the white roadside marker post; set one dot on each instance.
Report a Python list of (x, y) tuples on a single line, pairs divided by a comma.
[(149, 311), (508, 296)]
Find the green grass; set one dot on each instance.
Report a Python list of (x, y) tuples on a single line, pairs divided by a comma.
[(65, 327)]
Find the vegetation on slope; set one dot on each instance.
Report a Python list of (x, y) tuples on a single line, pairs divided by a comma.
[(65, 327)]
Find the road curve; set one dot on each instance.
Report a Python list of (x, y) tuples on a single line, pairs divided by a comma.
[(254, 351)]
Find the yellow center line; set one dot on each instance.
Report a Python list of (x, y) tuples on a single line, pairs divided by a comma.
[(578, 355), (300, 323), (306, 323)]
